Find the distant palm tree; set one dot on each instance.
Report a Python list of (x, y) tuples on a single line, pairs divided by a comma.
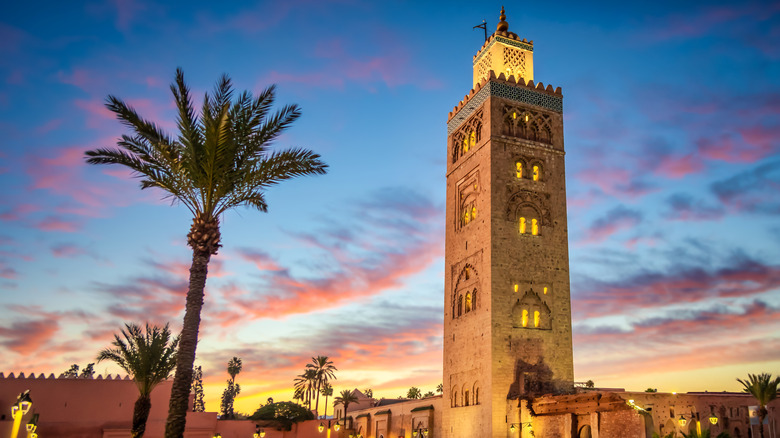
[(764, 388), (414, 392), (149, 358), (345, 398), (219, 160), (440, 388), (323, 371), (327, 391), (306, 383)]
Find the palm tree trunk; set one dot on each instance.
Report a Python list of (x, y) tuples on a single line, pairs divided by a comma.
[(140, 414), (326, 407), (180, 390), (317, 404)]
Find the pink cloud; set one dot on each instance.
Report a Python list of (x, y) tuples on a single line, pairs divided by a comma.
[(19, 212), (743, 278), (28, 336), (758, 142), (615, 220), (67, 251), (679, 167), (54, 223)]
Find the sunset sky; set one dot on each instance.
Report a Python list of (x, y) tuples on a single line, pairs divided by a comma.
[(672, 133)]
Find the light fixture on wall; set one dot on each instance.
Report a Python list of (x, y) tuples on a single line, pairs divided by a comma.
[(20, 409), (514, 427)]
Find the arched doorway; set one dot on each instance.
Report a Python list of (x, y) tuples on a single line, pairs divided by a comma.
[(585, 432)]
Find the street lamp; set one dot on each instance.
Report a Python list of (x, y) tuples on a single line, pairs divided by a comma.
[(19, 410), (259, 433), (32, 425), (515, 426), (682, 421)]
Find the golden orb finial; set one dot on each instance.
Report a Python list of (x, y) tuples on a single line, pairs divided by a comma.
[(502, 24)]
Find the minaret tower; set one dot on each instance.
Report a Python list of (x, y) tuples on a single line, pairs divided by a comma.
[(507, 307)]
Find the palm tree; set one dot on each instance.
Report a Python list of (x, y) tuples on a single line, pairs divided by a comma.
[(323, 371), (219, 160), (764, 388), (345, 398), (414, 392), (327, 391), (149, 358), (440, 388), (306, 383)]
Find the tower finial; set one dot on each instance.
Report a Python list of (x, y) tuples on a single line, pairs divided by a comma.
[(502, 24)]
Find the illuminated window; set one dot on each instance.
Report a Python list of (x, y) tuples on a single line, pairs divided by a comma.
[(473, 212), (537, 173), (517, 286), (465, 144), (522, 225), (466, 271), (466, 398), (473, 139), (519, 166), (545, 290), (466, 216), (534, 227), (526, 117), (460, 305), (536, 318), (525, 318), (514, 114), (468, 302)]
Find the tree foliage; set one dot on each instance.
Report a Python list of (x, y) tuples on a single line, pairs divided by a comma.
[(198, 405), (148, 356), (764, 388), (233, 389), (346, 398), (285, 413), (413, 393)]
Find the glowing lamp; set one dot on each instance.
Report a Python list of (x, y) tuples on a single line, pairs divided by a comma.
[(255, 435), (216, 435), (713, 419), (262, 433), (337, 427), (512, 428), (32, 425), (321, 427), (682, 421), (425, 432)]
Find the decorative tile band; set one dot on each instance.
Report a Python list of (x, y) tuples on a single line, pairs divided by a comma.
[(506, 41), (517, 94)]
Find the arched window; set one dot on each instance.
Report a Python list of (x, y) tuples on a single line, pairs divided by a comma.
[(525, 317), (536, 318), (460, 305), (476, 396), (466, 398), (537, 172), (519, 169), (465, 144), (545, 290), (522, 225), (534, 227), (473, 139), (474, 300), (473, 212), (468, 302), (454, 398)]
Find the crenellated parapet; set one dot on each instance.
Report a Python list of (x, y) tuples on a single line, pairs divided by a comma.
[(42, 376), (530, 93)]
